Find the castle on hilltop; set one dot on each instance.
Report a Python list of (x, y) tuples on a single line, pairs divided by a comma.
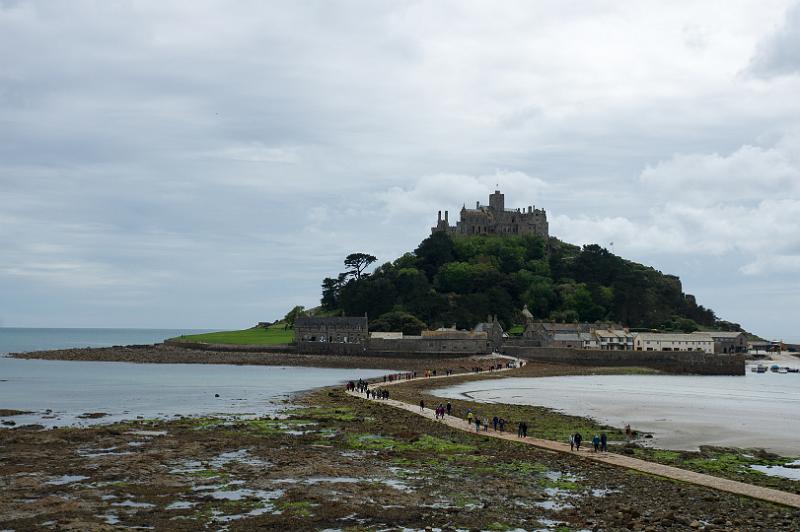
[(495, 219)]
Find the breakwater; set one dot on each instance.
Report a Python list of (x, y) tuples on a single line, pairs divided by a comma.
[(677, 362)]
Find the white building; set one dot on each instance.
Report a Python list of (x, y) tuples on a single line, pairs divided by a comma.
[(673, 342), (614, 339)]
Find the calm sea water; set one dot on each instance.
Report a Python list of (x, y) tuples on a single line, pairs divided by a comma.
[(18, 339), (57, 392), (682, 412)]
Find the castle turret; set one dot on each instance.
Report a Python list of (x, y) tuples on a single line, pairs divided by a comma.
[(497, 201)]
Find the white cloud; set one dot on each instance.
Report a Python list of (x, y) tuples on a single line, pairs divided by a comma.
[(749, 173)]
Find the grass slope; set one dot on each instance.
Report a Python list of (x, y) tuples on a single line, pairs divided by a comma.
[(255, 336)]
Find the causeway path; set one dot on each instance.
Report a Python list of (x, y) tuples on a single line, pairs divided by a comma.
[(653, 468)]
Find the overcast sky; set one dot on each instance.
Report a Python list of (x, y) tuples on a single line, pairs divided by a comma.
[(206, 164)]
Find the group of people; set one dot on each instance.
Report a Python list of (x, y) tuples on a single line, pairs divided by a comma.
[(599, 442), (441, 410), (377, 394), (405, 376)]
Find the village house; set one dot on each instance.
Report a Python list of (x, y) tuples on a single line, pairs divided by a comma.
[(494, 332), (337, 329), (673, 342), (726, 342), (576, 340), (614, 339)]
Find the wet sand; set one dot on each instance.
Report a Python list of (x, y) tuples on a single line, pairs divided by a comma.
[(681, 412)]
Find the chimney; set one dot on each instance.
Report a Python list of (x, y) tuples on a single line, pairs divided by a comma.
[(477, 204), (440, 216), (446, 220)]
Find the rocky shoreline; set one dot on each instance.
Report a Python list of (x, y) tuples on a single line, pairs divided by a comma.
[(171, 354), (336, 462)]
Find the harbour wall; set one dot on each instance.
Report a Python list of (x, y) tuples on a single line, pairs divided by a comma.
[(679, 362)]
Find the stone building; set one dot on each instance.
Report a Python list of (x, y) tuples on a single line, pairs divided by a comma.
[(495, 219), (673, 342), (727, 342), (338, 330), (494, 332), (350, 336)]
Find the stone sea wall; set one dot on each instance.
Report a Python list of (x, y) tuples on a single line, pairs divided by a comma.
[(403, 348), (680, 362)]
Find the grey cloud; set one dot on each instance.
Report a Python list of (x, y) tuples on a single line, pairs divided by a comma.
[(779, 53)]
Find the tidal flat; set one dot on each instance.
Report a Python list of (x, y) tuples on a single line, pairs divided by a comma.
[(332, 461)]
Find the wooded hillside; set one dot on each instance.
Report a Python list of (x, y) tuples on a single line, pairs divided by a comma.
[(462, 280)]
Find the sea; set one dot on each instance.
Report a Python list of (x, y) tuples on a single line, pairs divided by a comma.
[(21, 339), (71, 393)]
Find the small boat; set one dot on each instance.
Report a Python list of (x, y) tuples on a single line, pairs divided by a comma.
[(774, 368), (761, 369), (793, 370), (783, 370)]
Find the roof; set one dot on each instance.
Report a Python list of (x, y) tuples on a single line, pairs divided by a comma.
[(613, 333), (674, 337), (526, 313), (573, 337), (721, 334), (559, 326), (332, 321)]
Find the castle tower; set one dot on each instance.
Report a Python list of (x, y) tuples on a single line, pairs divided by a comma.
[(497, 201)]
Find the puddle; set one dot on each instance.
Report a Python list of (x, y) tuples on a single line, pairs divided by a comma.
[(110, 518), (180, 505), (245, 493), (553, 505), (252, 513), (390, 482), (603, 492), (189, 466), (99, 453), (147, 432), (791, 473), (242, 456), (65, 479), (133, 504)]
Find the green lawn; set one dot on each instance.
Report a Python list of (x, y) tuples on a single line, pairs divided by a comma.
[(255, 336)]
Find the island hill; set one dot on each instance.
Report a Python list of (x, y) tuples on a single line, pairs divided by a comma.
[(497, 281)]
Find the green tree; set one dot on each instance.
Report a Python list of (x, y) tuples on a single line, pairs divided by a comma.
[(357, 263), (330, 293), (398, 321), (297, 312)]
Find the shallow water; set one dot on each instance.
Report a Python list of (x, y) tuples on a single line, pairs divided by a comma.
[(57, 392), (682, 412)]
